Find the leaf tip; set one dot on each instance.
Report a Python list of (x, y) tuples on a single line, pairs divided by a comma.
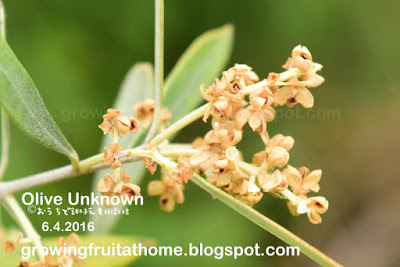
[(229, 27), (143, 66)]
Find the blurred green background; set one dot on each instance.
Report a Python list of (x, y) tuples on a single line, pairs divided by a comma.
[(77, 52)]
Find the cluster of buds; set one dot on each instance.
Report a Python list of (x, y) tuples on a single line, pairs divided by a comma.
[(221, 162), (170, 188), (117, 184)]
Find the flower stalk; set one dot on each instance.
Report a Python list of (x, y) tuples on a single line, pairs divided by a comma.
[(159, 68)]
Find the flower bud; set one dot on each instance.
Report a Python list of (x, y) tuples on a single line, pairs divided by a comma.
[(259, 158), (301, 51), (278, 156), (280, 140)]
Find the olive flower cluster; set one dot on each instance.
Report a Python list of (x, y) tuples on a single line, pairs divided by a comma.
[(239, 98), (117, 184)]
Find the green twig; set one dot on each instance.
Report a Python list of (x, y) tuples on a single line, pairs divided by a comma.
[(265, 223), (159, 68), (179, 125)]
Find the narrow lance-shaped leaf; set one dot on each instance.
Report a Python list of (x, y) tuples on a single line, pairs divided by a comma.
[(136, 87), (202, 61), (20, 98)]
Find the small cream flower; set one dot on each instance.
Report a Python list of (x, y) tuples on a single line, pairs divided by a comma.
[(244, 190), (122, 124), (272, 182), (12, 245), (316, 206), (186, 170), (126, 125), (302, 180), (66, 259), (122, 189), (169, 191), (144, 111), (294, 92)]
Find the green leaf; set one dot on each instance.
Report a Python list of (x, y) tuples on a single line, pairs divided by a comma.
[(136, 87), (9, 259), (202, 62), (5, 142), (21, 100)]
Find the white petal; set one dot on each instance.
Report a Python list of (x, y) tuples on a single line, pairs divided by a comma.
[(253, 188), (232, 153), (302, 207)]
